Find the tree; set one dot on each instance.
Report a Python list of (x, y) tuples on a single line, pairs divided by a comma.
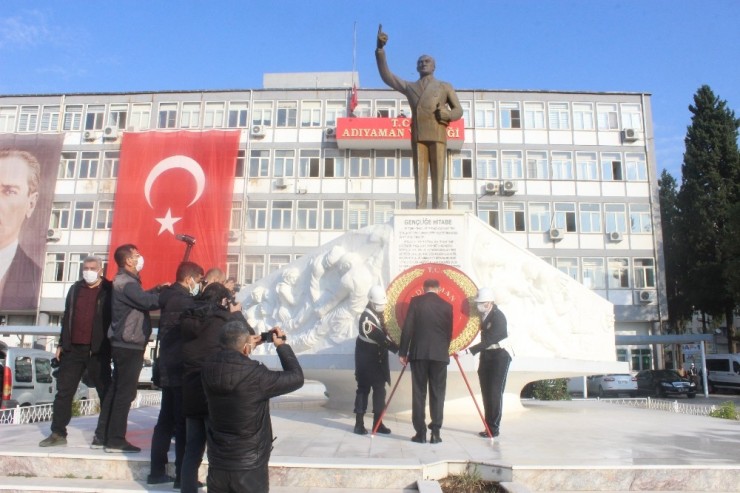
[(709, 190)]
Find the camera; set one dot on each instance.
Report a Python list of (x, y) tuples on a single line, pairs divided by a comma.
[(267, 336)]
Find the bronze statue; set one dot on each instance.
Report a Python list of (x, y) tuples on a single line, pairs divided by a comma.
[(434, 105)]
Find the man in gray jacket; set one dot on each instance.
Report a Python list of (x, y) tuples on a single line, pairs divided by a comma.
[(129, 333)]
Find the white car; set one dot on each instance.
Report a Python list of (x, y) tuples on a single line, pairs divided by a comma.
[(612, 384), (145, 377)]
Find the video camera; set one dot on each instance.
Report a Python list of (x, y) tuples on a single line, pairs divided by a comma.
[(267, 336)]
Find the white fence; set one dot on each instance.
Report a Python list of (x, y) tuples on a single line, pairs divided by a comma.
[(664, 405), (43, 412)]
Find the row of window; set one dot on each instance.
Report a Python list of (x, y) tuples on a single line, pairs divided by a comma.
[(308, 114)]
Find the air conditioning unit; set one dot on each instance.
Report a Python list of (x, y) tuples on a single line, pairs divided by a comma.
[(110, 133), (615, 236), (233, 235), (629, 135), (491, 187), (557, 234), (647, 296), (52, 235), (89, 135), (331, 133), (281, 183), (509, 187), (257, 131)]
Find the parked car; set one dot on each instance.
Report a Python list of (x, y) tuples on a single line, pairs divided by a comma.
[(661, 383), (723, 372), (145, 377), (611, 384)]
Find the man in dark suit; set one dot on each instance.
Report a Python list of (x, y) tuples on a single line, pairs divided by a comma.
[(434, 105), (425, 342)]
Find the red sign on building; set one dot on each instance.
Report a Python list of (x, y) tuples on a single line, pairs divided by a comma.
[(387, 133)]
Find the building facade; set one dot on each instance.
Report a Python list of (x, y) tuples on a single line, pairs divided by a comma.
[(570, 176)]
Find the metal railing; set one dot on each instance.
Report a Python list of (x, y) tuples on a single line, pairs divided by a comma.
[(664, 405)]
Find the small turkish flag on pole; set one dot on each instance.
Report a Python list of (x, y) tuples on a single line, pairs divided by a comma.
[(170, 184), (353, 99)]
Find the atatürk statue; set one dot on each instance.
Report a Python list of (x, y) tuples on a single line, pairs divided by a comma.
[(434, 105)]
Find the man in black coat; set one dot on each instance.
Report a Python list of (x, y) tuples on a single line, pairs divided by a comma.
[(238, 390), (425, 342)]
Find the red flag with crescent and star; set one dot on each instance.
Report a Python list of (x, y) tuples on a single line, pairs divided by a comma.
[(170, 184)]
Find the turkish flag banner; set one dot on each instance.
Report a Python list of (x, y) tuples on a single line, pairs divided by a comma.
[(170, 184)]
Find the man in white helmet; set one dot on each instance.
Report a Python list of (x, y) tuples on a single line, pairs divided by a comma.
[(371, 361), (494, 359)]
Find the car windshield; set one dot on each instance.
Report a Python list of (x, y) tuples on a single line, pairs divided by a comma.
[(667, 374)]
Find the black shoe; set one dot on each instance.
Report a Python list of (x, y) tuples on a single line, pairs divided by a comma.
[(383, 429), (359, 430), (124, 448), (97, 443), (419, 438), (53, 440), (435, 438), (483, 433), (159, 479)]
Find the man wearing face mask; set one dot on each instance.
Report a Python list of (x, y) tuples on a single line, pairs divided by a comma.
[(129, 333), (83, 345), (494, 359), (173, 301)]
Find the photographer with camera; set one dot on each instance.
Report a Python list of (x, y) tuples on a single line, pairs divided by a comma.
[(83, 345), (238, 390)]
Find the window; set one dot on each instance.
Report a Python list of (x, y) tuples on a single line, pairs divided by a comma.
[(110, 164), (67, 166), (611, 166), (559, 116), (74, 267), (488, 212), (307, 214), (619, 274), (640, 218), (568, 266), (284, 163), (333, 215), (385, 109), (60, 212), (89, 162), (363, 110), (254, 268), (405, 112), (83, 216), (510, 115), (94, 118), (385, 164), (262, 113), (636, 166), (334, 110), (334, 164), (238, 114), (54, 267), (359, 164), (259, 163), (383, 211), (308, 163), (511, 164), (7, 118), (406, 161), (117, 116), (257, 214), (631, 116), (72, 117), (615, 218), (287, 114), (514, 217), (276, 262), (167, 115), (49, 119), (534, 115), (644, 272), (562, 166), (358, 214), (487, 165), (565, 216), (588, 169), (310, 114), (232, 266), (141, 115), (583, 116), (241, 163), (29, 119), (282, 214), (594, 275), (537, 167), (539, 217), (485, 114), (462, 165), (213, 116), (105, 215), (607, 116), (590, 218), (43, 370), (190, 116), (235, 221)]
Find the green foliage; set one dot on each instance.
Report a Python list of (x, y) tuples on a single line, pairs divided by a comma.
[(76, 408), (726, 411), (548, 390), (468, 482)]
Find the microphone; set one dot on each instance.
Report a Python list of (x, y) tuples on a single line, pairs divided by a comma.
[(190, 240)]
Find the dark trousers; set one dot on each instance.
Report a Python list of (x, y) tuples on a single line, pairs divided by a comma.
[(195, 447), (113, 418), (363, 391), (248, 481), (170, 420), (492, 371), (72, 365), (430, 159), (432, 375)]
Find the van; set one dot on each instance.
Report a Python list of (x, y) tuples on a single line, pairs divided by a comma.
[(26, 377), (723, 371)]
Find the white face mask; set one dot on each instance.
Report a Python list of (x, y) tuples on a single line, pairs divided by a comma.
[(139, 263), (378, 307), (90, 276), (195, 289), (482, 307)]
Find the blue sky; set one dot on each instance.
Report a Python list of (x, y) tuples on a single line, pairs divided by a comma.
[(668, 48)]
